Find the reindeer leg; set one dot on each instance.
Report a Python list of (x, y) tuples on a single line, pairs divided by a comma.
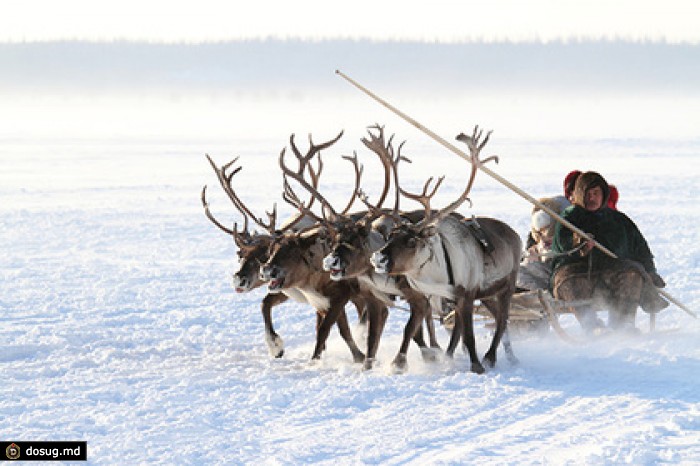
[(344, 329), (430, 325), (320, 316), (411, 330), (465, 305), (418, 336), (494, 306), (361, 306), (275, 345), (377, 314), (324, 322), (500, 309), (457, 331), (429, 353), (508, 347)]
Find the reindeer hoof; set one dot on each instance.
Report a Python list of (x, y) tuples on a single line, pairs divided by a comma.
[(275, 346), (489, 361), (358, 357), (367, 365), (512, 360), (477, 368), (430, 354), (399, 364), (314, 362)]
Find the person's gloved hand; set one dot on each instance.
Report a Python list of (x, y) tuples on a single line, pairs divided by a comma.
[(657, 280)]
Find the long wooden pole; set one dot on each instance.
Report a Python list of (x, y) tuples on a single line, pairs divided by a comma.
[(499, 178)]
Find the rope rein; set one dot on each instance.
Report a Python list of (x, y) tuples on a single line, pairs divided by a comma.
[(553, 255)]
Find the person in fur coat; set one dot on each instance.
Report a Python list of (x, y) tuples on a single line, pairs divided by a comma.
[(536, 265), (621, 284)]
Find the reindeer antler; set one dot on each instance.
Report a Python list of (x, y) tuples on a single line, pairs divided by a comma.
[(298, 175), (243, 239), (313, 150), (385, 152), (475, 145), (358, 175), (225, 179), (291, 197), (211, 217), (390, 159), (424, 198)]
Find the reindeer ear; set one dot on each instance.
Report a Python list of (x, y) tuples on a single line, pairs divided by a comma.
[(363, 228), (323, 236), (306, 241), (428, 231), (381, 228)]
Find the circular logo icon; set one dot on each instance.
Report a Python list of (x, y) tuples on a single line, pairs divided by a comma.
[(12, 451)]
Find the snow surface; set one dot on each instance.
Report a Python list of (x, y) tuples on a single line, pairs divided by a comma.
[(120, 326)]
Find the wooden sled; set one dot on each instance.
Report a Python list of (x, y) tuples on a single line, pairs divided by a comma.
[(534, 313)]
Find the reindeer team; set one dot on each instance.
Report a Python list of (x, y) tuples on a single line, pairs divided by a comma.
[(431, 258)]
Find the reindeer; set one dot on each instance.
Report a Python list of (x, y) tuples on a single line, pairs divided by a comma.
[(294, 268), (253, 249), (445, 256), (354, 243)]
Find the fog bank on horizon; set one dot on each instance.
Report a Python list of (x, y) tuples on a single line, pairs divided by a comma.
[(602, 88)]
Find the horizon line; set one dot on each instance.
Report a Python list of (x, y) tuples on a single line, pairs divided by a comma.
[(467, 40)]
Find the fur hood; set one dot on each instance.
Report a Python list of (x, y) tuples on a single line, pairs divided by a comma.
[(540, 219), (587, 181)]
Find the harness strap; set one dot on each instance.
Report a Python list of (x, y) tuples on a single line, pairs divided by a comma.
[(450, 276), (480, 235), (552, 255)]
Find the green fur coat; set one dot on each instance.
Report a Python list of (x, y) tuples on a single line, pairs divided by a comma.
[(613, 229)]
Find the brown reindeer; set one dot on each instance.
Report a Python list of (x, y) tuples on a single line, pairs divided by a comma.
[(253, 249), (458, 260), (294, 268)]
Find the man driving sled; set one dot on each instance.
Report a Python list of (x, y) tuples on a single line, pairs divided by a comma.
[(620, 285)]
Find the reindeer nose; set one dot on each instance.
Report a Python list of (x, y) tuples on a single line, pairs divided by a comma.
[(240, 282), (268, 272), (330, 262), (380, 261)]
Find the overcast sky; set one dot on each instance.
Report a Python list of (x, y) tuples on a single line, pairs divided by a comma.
[(442, 20)]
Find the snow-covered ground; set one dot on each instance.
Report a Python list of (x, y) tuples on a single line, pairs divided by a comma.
[(120, 326)]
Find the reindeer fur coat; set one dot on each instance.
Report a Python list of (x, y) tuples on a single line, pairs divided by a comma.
[(611, 228)]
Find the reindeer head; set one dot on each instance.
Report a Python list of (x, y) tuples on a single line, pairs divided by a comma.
[(353, 244), (251, 256), (349, 250), (293, 258), (252, 247), (407, 248)]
